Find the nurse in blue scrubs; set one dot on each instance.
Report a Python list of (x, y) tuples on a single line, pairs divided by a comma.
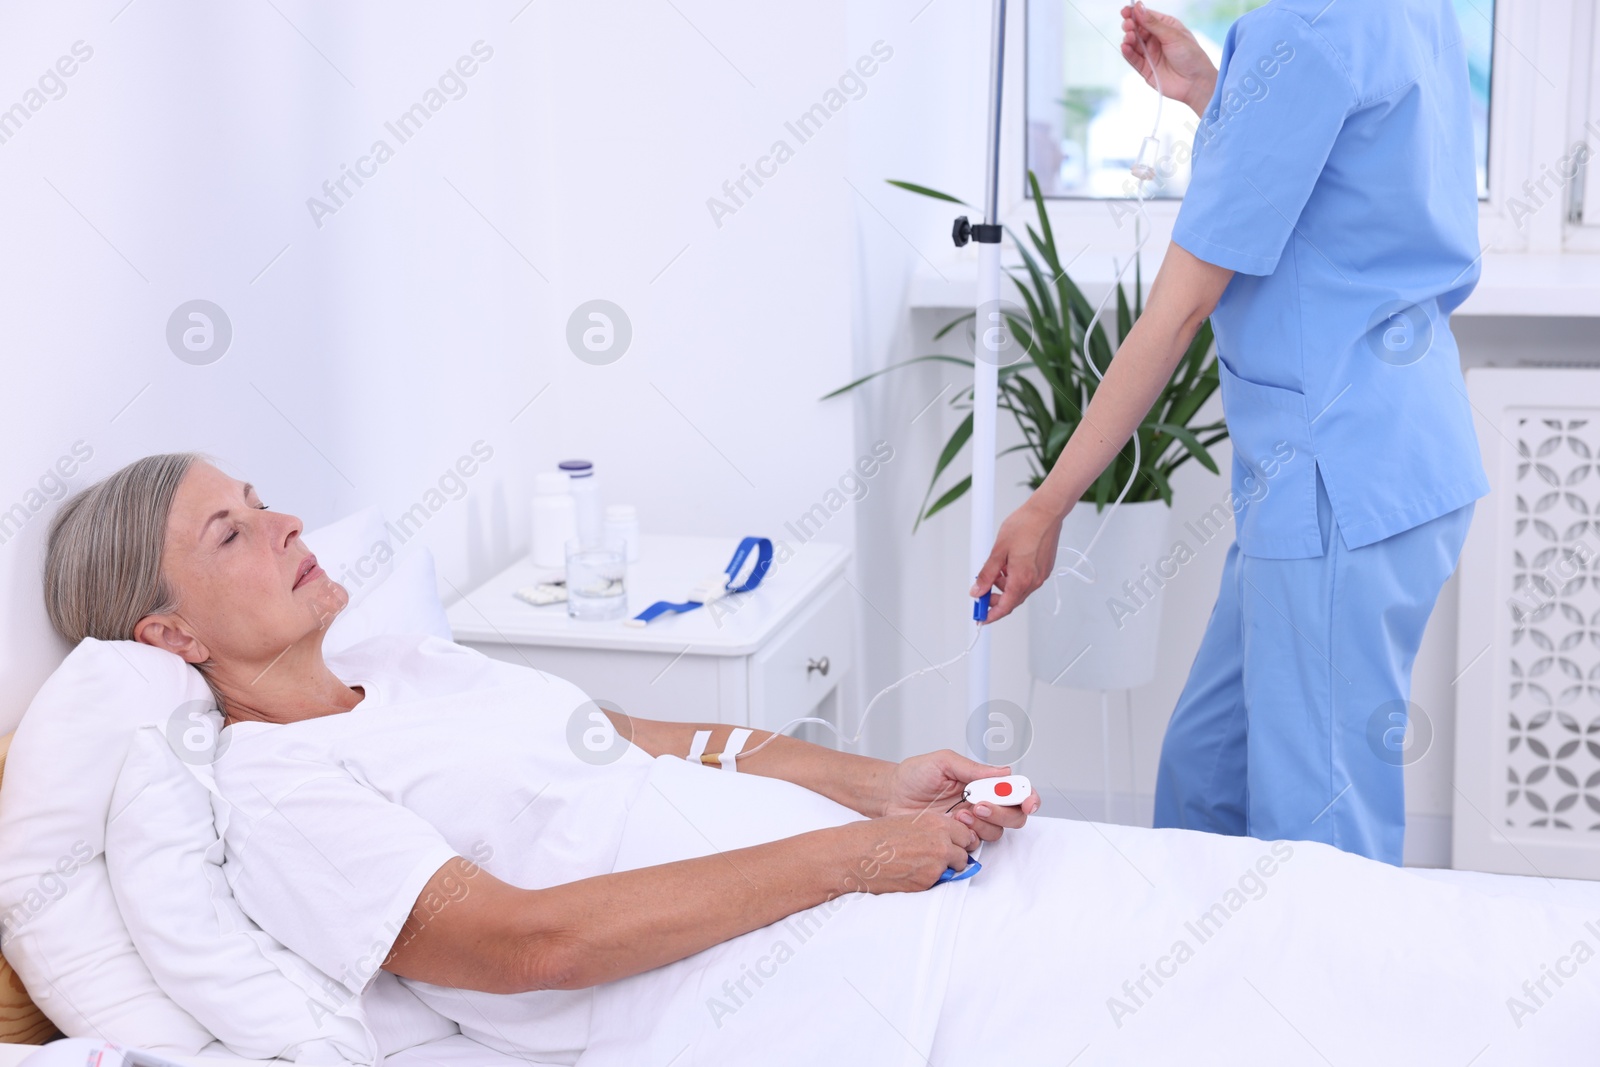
[(1328, 231)]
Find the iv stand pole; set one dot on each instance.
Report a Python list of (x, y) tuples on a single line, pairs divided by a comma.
[(988, 327)]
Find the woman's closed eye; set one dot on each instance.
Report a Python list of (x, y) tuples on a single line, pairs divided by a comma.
[(235, 533)]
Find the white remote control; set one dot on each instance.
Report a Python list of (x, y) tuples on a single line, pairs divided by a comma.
[(1007, 792)]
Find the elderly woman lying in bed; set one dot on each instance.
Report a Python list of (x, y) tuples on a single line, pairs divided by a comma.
[(352, 811), (413, 806)]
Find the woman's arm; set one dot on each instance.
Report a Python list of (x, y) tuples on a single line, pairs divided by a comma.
[(469, 930), (860, 783), (1183, 295), (872, 787)]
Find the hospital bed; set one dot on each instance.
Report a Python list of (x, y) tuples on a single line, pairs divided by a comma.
[(22, 1026), (1113, 894)]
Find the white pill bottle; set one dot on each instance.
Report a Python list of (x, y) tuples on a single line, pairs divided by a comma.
[(585, 489)]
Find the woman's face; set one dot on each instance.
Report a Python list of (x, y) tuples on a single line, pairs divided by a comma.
[(246, 586)]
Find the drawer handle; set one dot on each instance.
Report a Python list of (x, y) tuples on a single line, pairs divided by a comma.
[(818, 665)]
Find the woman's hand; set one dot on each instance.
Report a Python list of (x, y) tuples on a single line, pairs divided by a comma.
[(936, 781), (1024, 556), (903, 853), (1151, 38)]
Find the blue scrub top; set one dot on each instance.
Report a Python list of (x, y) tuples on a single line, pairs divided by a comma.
[(1335, 172)]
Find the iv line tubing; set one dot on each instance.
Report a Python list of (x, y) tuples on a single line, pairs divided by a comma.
[(1143, 234), (862, 725)]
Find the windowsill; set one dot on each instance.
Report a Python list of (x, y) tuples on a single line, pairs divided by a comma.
[(1542, 284)]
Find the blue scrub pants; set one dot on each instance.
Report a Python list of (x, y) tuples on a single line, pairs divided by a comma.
[(1274, 735)]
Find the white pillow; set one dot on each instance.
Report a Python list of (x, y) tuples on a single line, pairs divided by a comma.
[(357, 552), (391, 591), (406, 603), (165, 862), (62, 929)]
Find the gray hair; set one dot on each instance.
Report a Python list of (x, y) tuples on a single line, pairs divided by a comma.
[(102, 569)]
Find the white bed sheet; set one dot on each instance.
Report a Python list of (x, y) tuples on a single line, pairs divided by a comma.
[(1338, 959), (1569, 892), (1329, 958)]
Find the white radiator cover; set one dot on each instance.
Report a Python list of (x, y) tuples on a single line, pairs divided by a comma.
[(1527, 788)]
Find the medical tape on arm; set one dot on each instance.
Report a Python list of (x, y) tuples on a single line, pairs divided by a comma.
[(731, 750), (698, 745)]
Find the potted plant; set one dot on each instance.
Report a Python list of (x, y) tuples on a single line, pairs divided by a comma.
[(1046, 393)]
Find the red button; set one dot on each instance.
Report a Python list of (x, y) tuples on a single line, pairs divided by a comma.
[(1002, 789)]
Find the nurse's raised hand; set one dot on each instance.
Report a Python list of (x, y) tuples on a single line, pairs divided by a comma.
[(1151, 38), (1023, 557)]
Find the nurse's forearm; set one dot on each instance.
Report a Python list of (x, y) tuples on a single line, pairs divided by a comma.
[(1142, 366), (1200, 95), (858, 782), (1185, 292)]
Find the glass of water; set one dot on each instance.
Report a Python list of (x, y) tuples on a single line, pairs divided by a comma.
[(595, 588)]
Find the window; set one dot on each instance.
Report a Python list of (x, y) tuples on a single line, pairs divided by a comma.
[(1088, 111)]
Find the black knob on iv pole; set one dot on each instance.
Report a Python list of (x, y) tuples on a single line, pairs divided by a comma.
[(963, 231)]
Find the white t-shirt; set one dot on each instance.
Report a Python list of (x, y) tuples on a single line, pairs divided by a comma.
[(338, 822)]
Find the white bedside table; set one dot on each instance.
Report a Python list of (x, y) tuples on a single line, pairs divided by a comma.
[(762, 658)]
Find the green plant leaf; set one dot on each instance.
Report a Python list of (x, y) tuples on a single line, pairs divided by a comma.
[(1044, 217), (923, 190), (1183, 408), (1190, 442), (950, 497), (953, 323), (1163, 486), (1057, 439), (1053, 354), (895, 366), (1022, 399), (952, 448), (1188, 397), (1029, 394), (1138, 286), (1102, 487), (1185, 457), (1040, 305)]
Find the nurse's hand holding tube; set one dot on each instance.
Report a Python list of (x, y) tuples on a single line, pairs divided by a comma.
[(1151, 39), (1024, 554), (1182, 297)]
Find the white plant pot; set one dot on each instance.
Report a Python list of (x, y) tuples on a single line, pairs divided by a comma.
[(1105, 633)]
